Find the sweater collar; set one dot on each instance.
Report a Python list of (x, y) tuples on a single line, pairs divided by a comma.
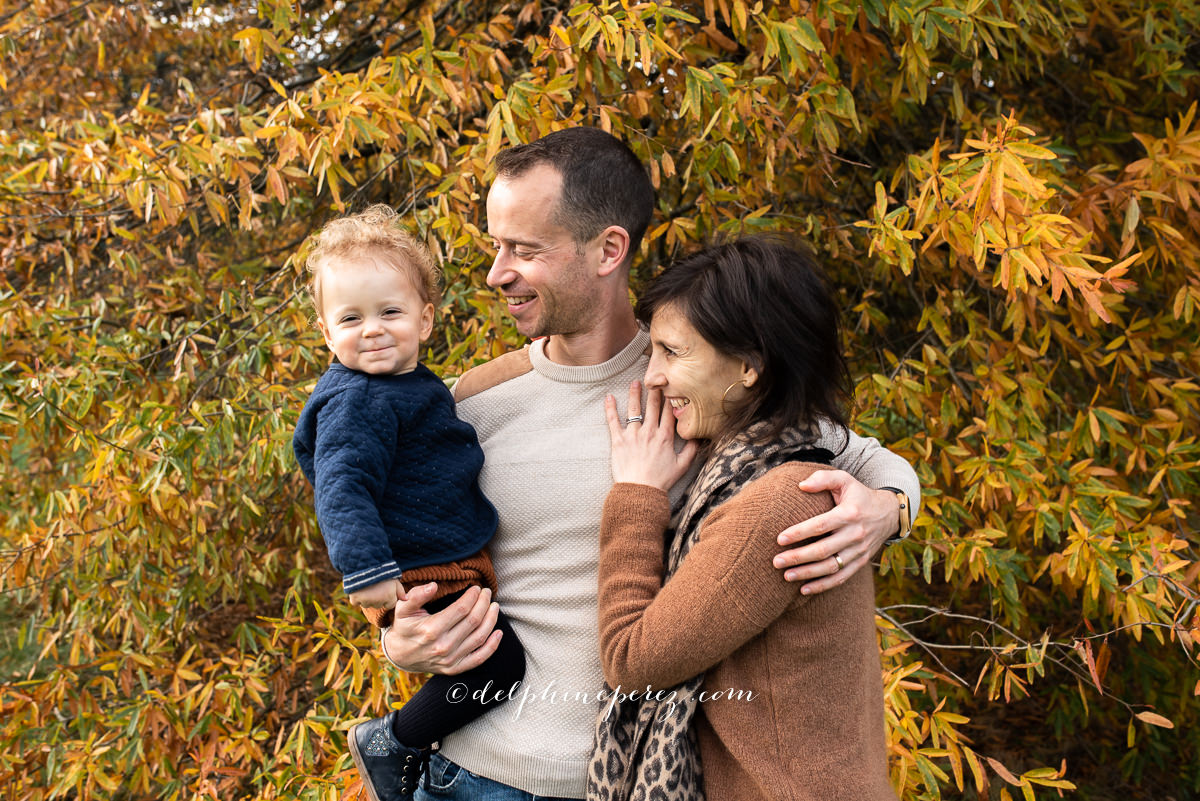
[(588, 373)]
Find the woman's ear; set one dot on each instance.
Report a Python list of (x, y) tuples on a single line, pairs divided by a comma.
[(749, 374)]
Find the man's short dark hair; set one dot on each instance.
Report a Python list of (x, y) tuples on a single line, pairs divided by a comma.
[(604, 183), (763, 299)]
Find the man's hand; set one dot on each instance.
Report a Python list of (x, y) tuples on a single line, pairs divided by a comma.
[(451, 641), (382, 595), (858, 526)]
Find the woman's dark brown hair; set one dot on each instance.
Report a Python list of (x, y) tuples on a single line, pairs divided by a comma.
[(764, 300)]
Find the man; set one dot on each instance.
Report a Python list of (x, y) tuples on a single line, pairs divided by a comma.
[(567, 214)]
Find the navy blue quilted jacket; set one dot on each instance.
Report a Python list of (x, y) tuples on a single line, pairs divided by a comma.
[(395, 474)]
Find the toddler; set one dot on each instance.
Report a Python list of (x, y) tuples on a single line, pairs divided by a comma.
[(395, 477)]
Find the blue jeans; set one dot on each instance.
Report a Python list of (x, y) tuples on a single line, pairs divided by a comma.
[(447, 780)]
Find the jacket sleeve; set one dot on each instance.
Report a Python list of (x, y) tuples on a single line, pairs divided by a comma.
[(871, 463), (355, 444), (724, 593)]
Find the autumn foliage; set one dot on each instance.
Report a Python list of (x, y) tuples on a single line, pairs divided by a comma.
[(1006, 193)]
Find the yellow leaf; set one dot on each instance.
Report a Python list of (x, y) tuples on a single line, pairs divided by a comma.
[(997, 194), (1031, 151), (331, 667)]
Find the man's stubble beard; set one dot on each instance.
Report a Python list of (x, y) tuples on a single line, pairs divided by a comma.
[(570, 312)]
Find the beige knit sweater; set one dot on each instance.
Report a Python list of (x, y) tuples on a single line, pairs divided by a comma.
[(794, 704), (547, 470)]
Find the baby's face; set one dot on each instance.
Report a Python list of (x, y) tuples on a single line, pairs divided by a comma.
[(372, 315)]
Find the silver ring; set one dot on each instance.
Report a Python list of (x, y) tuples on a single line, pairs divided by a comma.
[(637, 418), (837, 557)]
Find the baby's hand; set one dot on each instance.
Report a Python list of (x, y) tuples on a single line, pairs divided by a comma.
[(379, 596)]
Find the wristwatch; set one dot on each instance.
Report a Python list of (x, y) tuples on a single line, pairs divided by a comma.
[(905, 515)]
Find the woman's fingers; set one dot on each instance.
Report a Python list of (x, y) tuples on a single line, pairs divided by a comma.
[(643, 448), (654, 406), (666, 418), (610, 414), (635, 403), (686, 456)]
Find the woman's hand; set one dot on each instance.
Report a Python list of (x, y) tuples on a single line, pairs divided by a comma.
[(643, 450)]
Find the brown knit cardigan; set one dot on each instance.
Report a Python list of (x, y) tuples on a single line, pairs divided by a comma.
[(814, 728)]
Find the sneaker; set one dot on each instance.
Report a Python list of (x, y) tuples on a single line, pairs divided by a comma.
[(390, 771)]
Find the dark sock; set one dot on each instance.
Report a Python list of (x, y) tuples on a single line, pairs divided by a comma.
[(447, 703)]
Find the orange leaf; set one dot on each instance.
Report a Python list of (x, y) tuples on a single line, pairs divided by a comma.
[(1154, 719), (1084, 649), (1003, 772)]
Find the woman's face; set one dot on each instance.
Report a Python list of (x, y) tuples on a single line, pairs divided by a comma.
[(693, 375)]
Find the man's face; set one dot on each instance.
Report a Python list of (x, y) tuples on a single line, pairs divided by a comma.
[(549, 282)]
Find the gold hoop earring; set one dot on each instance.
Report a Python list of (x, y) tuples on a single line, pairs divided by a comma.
[(741, 381)]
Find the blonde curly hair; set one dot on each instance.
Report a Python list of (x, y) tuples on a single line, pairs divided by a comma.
[(375, 232)]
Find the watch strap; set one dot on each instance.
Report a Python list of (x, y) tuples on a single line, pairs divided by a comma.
[(905, 515)]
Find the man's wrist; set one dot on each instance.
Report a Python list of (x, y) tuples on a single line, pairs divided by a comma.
[(903, 518), (383, 632)]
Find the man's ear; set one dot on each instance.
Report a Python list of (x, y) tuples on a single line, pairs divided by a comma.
[(426, 321), (614, 249)]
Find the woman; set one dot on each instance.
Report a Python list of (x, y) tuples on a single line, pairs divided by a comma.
[(784, 690)]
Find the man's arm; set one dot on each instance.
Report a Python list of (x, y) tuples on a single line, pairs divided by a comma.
[(865, 516), (724, 593)]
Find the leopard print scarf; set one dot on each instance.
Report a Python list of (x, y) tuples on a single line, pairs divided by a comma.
[(646, 749)]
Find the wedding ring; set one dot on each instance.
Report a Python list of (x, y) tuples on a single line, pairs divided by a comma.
[(637, 418), (837, 557)]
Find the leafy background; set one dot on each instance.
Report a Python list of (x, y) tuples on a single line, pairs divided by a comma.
[(1006, 192)]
